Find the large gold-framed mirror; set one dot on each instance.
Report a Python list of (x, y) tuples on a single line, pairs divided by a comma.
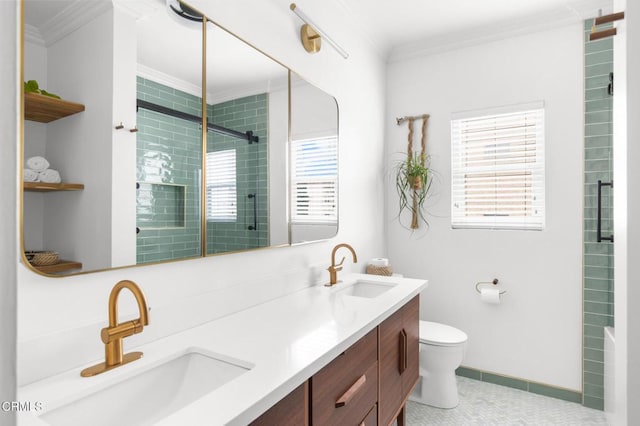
[(138, 185)]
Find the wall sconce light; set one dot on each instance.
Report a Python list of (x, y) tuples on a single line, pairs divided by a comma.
[(311, 35)]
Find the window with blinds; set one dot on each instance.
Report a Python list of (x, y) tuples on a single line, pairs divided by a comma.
[(314, 180), (221, 186), (497, 167)]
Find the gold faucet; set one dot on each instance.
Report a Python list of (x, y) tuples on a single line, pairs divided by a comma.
[(333, 269), (112, 336)]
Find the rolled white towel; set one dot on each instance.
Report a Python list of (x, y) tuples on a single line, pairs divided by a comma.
[(37, 163), (29, 175), (50, 176)]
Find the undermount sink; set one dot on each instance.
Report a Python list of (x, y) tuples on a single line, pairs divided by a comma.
[(367, 289), (145, 398)]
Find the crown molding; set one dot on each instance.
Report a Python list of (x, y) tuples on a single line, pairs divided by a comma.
[(71, 18), (569, 15), (168, 80), (139, 8), (32, 35), (79, 13)]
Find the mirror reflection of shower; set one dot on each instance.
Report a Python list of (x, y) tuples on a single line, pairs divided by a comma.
[(236, 177)]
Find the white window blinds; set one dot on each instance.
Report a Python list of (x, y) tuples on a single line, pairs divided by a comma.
[(497, 167), (221, 186), (314, 180)]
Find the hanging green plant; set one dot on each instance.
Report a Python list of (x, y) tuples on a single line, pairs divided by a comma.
[(413, 182), (413, 177)]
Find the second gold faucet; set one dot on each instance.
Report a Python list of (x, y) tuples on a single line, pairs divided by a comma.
[(333, 269)]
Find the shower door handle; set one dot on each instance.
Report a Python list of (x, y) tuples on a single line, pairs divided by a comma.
[(599, 236), (255, 212)]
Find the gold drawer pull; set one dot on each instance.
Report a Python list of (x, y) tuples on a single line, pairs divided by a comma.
[(346, 397)]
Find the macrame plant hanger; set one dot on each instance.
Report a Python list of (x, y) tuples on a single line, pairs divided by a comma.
[(416, 185)]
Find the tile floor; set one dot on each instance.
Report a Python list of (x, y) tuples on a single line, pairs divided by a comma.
[(486, 404)]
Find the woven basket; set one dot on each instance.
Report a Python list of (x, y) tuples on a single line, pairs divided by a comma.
[(380, 270), (42, 258)]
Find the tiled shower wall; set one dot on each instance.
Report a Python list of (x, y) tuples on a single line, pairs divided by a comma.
[(243, 114), (598, 257), (169, 155)]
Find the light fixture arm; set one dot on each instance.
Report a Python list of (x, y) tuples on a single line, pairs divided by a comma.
[(319, 32)]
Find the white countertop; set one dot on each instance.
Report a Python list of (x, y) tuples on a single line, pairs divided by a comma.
[(286, 341)]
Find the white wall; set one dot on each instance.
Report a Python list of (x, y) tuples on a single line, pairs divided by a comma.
[(633, 212), (60, 318), (78, 224), (627, 210), (35, 137), (535, 334), (123, 149), (9, 125), (278, 191)]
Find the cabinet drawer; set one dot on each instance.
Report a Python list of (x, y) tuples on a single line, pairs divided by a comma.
[(289, 411), (372, 418), (344, 391)]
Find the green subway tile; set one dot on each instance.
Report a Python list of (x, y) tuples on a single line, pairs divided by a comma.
[(593, 379), (597, 296), (593, 342), (605, 104), (599, 82), (593, 331), (553, 392), (597, 259), (596, 95), (599, 45), (594, 391), (598, 166), (596, 320), (598, 273), (605, 141), (601, 129), (504, 381), (599, 69), (595, 403), (603, 153), (593, 367), (598, 117), (594, 355), (155, 257), (469, 373), (598, 284), (598, 308), (598, 58)]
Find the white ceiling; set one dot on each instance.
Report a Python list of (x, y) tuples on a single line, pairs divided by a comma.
[(397, 30), (403, 26)]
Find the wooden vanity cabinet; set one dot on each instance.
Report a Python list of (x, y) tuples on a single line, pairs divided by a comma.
[(368, 384), (345, 391), (399, 361), (289, 411)]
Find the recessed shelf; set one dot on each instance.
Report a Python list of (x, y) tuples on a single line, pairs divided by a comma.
[(45, 109), (48, 187), (61, 266)]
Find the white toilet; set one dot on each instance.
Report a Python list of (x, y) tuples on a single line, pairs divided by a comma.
[(441, 351)]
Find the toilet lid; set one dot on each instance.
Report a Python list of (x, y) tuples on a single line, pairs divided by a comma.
[(437, 334)]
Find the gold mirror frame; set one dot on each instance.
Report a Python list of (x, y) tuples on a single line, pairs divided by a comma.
[(203, 218)]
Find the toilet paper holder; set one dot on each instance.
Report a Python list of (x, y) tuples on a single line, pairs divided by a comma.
[(494, 282)]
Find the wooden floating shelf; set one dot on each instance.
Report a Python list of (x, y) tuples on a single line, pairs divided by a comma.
[(61, 266), (48, 187), (45, 109)]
